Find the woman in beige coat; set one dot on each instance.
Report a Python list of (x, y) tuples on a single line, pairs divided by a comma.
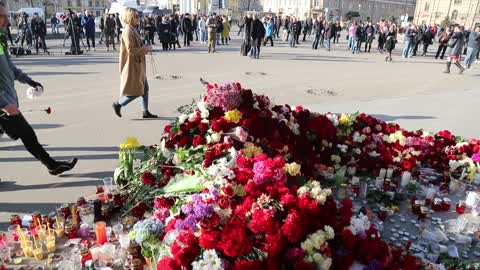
[(133, 79)]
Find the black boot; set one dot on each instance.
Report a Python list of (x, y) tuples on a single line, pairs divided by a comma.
[(147, 114), (117, 108), (62, 166), (447, 70), (462, 69)]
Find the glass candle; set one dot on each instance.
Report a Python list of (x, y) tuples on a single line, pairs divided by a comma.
[(27, 248), (389, 173), (382, 215), (342, 191), (416, 207), (107, 212), (124, 240), (423, 213), (41, 232), (37, 216), (59, 231), (5, 255), (100, 193), (86, 214), (51, 246), (13, 232), (446, 204), (65, 208), (379, 182), (71, 231), (117, 229), (460, 207), (429, 196), (382, 173), (406, 176), (84, 230), (117, 199), (356, 189), (38, 252), (101, 232), (471, 198)]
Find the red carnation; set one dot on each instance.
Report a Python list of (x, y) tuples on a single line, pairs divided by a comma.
[(210, 239), (167, 128), (203, 127), (167, 263), (186, 252), (184, 141), (139, 210), (199, 140), (148, 178), (235, 241), (163, 202), (248, 265)]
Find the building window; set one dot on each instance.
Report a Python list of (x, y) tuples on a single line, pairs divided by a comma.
[(427, 6), (69, 3), (457, 2), (97, 3), (90, 3), (79, 4), (316, 3), (454, 14), (97, 13)]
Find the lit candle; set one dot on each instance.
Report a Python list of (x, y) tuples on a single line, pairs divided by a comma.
[(406, 176), (84, 230), (389, 173), (383, 173), (379, 182), (101, 232)]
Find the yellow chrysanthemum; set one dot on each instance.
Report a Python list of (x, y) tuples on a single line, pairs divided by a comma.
[(234, 115)]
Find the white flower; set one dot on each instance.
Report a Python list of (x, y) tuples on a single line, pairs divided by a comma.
[(318, 239), (165, 152), (343, 148), (329, 232), (182, 118), (336, 159), (373, 154), (176, 160), (216, 137), (192, 116), (199, 265), (357, 151), (321, 199), (274, 115), (326, 264), (296, 129), (307, 245), (359, 224), (302, 190)]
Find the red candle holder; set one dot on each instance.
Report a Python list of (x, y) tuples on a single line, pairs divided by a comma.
[(428, 202), (386, 185), (460, 208), (65, 209), (446, 204), (356, 189), (437, 204), (71, 231), (416, 206), (382, 214)]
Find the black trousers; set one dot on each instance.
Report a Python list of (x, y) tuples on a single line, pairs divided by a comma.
[(17, 127), (316, 41), (276, 33), (40, 42), (92, 38), (267, 39), (441, 50), (186, 39)]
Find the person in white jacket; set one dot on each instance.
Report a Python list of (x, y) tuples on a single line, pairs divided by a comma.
[(202, 26)]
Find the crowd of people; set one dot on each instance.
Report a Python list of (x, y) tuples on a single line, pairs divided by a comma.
[(214, 30)]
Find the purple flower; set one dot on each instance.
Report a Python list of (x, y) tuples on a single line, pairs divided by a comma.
[(187, 209), (215, 194), (191, 223)]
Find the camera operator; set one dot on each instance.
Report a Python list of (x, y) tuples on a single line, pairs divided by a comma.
[(12, 121), (73, 28), (39, 30), (24, 31)]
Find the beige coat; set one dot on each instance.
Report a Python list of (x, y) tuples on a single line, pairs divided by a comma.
[(132, 63)]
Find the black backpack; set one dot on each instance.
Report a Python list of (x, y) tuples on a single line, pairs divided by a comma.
[(18, 51)]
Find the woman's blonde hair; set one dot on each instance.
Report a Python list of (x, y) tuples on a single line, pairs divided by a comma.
[(128, 15)]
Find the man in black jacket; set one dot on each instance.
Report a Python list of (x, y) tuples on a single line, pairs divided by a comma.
[(330, 31), (299, 31), (39, 30), (173, 30), (118, 24), (258, 33), (317, 31), (370, 35), (187, 28), (277, 25)]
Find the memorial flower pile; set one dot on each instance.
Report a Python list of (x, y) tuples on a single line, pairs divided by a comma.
[(238, 182)]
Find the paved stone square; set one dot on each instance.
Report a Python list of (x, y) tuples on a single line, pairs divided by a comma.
[(81, 89)]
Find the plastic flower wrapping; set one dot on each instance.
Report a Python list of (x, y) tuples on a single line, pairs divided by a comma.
[(34, 92)]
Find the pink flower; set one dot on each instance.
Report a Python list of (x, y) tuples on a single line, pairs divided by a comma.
[(476, 157), (241, 134)]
